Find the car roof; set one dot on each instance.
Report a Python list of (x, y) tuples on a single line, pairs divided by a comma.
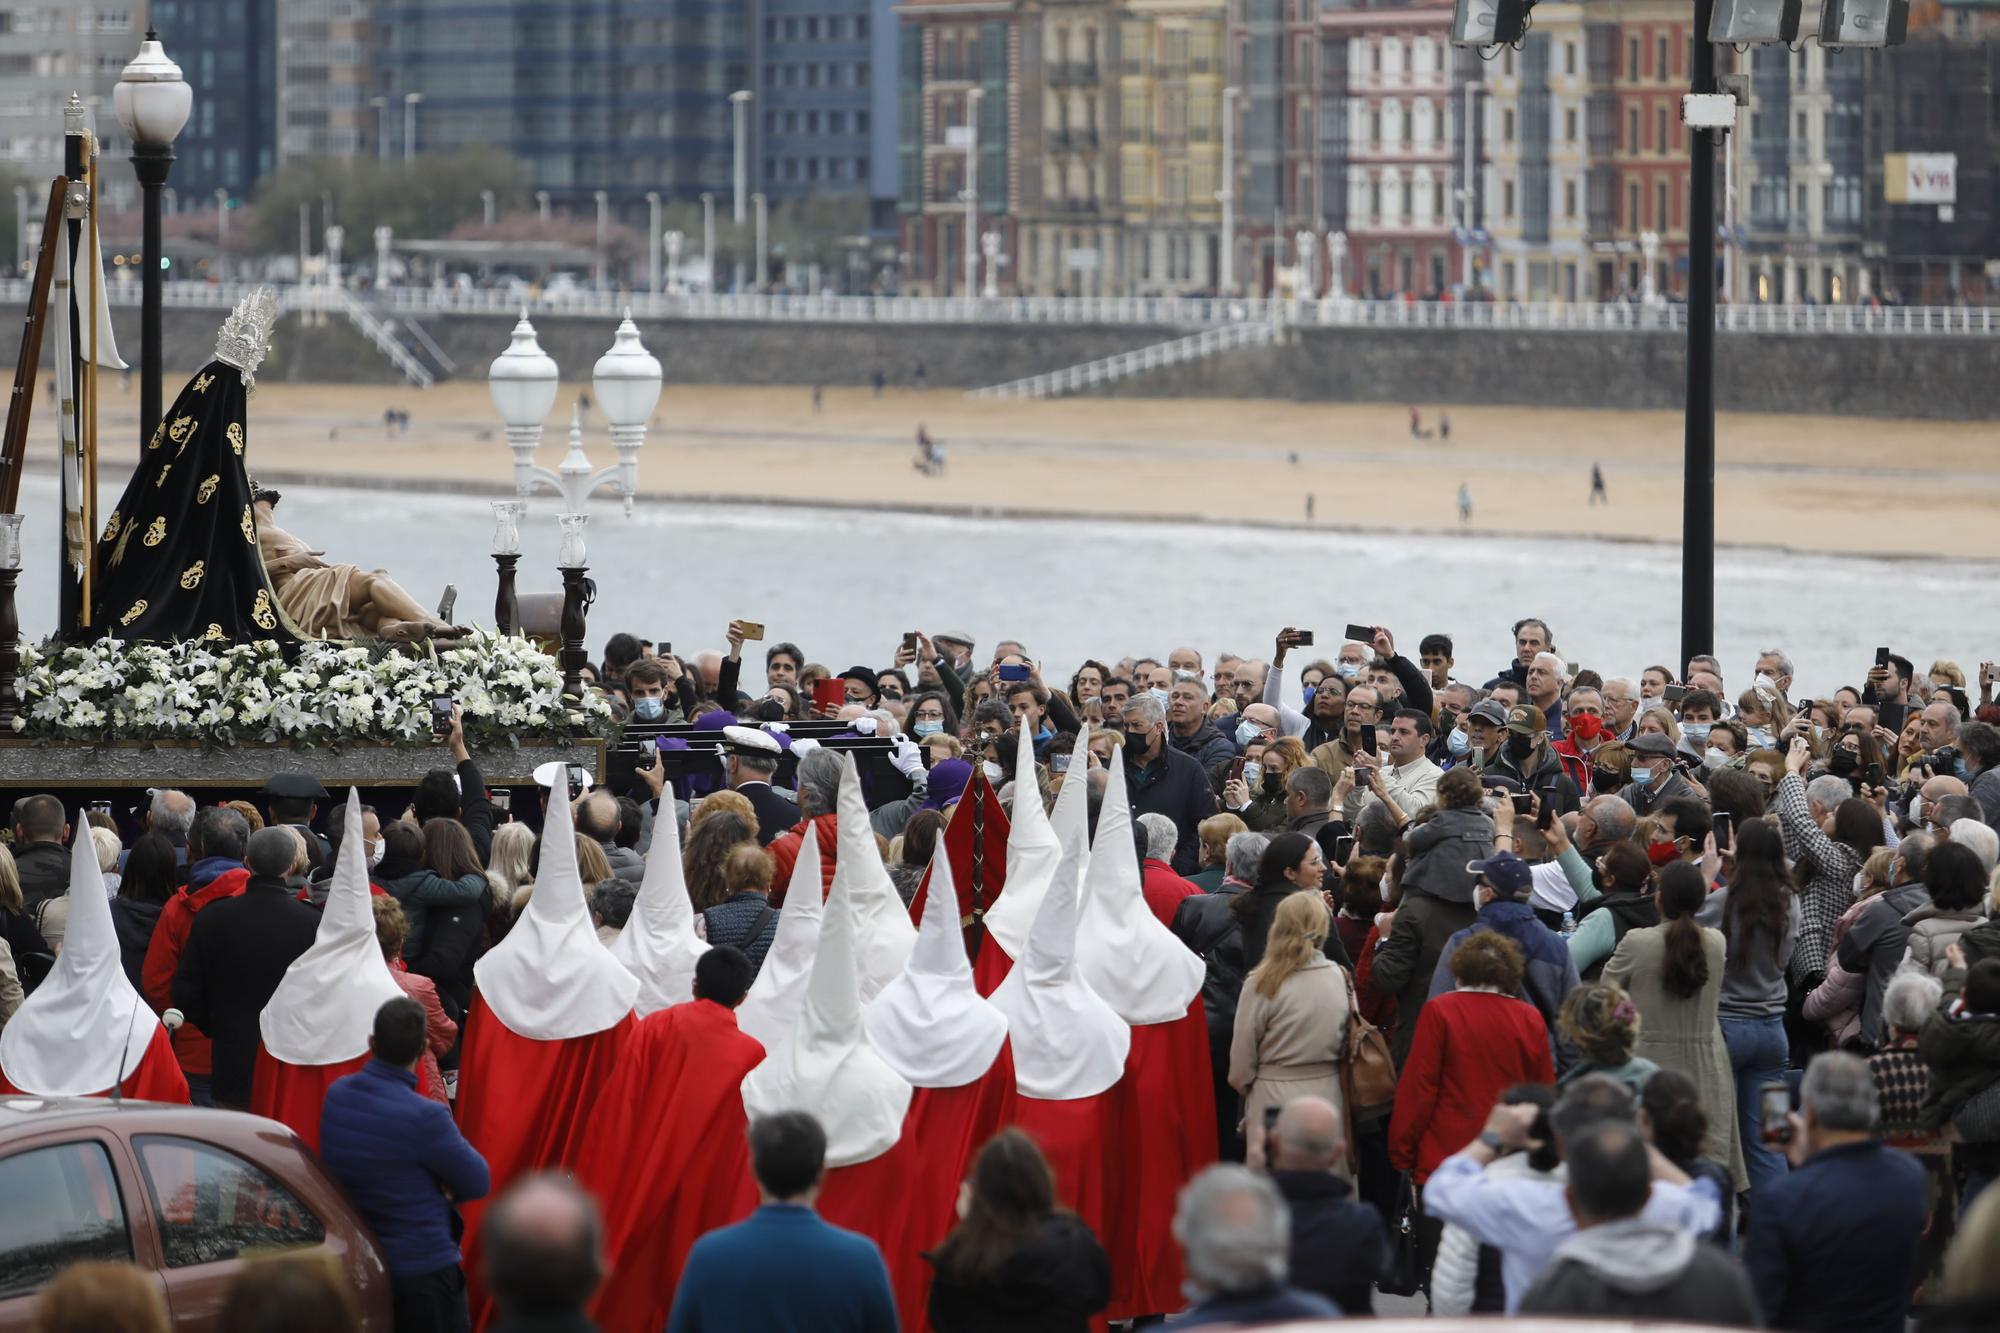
[(24, 1112)]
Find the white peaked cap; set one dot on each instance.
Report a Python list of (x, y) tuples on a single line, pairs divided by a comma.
[(552, 978), (931, 1024), (1138, 965), (323, 1011), (883, 931), (1034, 848), (658, 944), (825, 1065), (1068, 1043), (85, 1029), (772, 1006)]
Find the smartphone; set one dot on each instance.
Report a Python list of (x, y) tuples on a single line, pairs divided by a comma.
[(1872, 775), (1804, 710), (1881, 657), (1548, 814), (1523, 801), (1302, 638), (579, 781), (1270, 1120), (1343, 848), (665, 649), (751, 629), (100, 808), (1776, 1102), (1725, 828), (1236, 770), (1368, 740), (500, 799), (1013, 671), (1675, 693), (830, 693), (910, 641), (441, 715), (1059, 763), (1360, 633), (1892, 716)]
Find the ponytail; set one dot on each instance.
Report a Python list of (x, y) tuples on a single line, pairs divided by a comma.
[(1680, 896)]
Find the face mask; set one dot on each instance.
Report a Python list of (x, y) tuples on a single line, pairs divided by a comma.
[(1587, 726), (375, 852), (1844, 763), (1642, 777), (1520, 747), (1347, 670), (1458, 742), (1310, 692), (926, 727), (1161, 695), (1713, 760), (1696, 732), (1604, 780), (1763, 738), (1663, 853), (649, 709), (994, 773), (1253, 774), (1247, 732)]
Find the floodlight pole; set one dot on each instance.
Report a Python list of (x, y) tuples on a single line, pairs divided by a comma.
[(1698, 482)]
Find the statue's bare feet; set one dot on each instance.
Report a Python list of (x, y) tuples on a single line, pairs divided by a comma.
[(415, 631)]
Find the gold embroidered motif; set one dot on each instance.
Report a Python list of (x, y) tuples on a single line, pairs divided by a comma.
[(260, 610), (138, 609), (158, 532), (249, 526), (191, 576), (161, 480), (159, 433), (206, 491), (235, 436), (181, 429), (111, 526), (123, 542), (201, 383), (214, 631)]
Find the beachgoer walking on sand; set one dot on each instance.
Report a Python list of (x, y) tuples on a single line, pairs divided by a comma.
[(1416, 424), (1597, 491), (1444, 426), (1464, 504)]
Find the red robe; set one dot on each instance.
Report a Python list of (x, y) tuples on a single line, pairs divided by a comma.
[(158, 1077), (906, 1200), (667, 1158), (293, 1094), (991, 967), (1073, 1135), (976, 894), (526, 1105), (1163, 1113)]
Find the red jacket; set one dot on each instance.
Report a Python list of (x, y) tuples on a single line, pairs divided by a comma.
[(163, 958), (1470, 1047), (1575, 763), (1164, 890), (784, 850)]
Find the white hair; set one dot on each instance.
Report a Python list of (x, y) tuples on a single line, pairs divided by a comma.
[(172, 812), (1784, 660), (1554, 663), (1828, 791), (1147, 707), (1983, 841), (1161, 835), (1242, 854), (108, 847), (1236, 1230), (1841, 1093), (1909, 999), (1624, 683)]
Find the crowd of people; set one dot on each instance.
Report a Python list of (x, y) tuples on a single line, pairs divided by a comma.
[(1552, 990)]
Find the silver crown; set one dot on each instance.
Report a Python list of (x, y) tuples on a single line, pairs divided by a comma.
[(246, 334)]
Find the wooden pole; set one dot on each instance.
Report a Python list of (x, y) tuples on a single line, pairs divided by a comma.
[(87, 440), (21, 404)]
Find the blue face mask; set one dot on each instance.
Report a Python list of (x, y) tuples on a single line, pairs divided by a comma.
[(649, 709), (1161, 695), (1697, 732), (926, 727), (1642, 777), (1347, 670), (1310, 692), (1458, 742), (1247, 731)]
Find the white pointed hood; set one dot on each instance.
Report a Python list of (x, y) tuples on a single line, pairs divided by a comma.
[(826, 1065), (552, 978), (1138, 966), (1034, 848), (85, 1029), (323, 1011), (658, 944), (772, 1006), (931, 1023), (883, 931), (1068, 1043)]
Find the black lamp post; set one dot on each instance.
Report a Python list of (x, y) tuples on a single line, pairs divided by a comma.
[(152, 102)]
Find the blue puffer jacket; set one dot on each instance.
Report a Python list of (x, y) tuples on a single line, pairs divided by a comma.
[(394, 1153), (1550, 975)]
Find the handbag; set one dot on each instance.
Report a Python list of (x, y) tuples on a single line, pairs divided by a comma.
[(1405, 1274), (1367, 1071)]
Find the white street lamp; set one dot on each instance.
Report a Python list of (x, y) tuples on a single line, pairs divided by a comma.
[(486, 207), (1336, 264), (989, 247), (674, 241), (381, 105), (410, 101), (384, 238), (542, 204), (763, 236), (739, 107), (522, 380), (708, 237), (971, 192), (152, 102), (626, 380)]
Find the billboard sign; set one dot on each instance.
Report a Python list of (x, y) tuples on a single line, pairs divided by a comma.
[(1920, 178)]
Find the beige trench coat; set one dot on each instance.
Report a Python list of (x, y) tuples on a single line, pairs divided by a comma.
[(1288, 1046)]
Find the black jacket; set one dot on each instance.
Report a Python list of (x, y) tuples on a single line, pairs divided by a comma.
[(451, 946), (775, 813), (1668, 1277), (134, 921), (1207, 747), (1417, 694), (1210, 930), (1264, 900), (235, 956), (1340, 1248), (1052, 1284), (1174, 785), (44, 868), (475, 809)]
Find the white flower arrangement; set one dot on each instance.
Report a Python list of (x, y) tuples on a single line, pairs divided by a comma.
[(322, 693)]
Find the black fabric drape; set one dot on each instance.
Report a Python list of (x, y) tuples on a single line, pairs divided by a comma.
[(179, 557)]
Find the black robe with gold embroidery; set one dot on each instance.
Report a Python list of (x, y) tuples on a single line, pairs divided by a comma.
[(179, 558)]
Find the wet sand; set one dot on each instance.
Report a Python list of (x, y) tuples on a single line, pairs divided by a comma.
[(1828, 484)]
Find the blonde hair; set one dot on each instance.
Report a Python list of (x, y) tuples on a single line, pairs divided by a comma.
[(1297, 933), (392, 925), (107, 845), (591, 862), (1600, 1019), (734, 802), (1951, 671), (251, 815), (10, 881), (1289, 748), (507, 864), (1972, 1264)]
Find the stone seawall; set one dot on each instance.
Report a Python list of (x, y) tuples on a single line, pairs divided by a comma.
[(1946, 377)]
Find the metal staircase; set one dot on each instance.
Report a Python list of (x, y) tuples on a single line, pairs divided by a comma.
[(1138, 361)]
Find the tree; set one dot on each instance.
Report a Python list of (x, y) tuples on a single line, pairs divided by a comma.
[(423, 198)]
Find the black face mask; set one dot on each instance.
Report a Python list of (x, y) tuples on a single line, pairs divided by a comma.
[(1604, 780), (1520, 747), (1844, 763)]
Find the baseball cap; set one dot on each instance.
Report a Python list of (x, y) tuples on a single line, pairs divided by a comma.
[(1526, 720), (1488, 711), (1507, 873)]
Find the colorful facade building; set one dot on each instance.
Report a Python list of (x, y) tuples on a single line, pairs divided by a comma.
[(955, 56)]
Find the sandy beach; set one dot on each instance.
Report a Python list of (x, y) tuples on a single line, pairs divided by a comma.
[(1831, 484)]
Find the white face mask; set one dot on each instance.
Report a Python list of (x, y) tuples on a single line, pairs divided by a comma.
[(994, 773), (375, 851)]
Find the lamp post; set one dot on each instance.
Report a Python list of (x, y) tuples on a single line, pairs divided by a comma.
[(384, 237), (603, 198), (989, 249), (763, 240), (1468, 190), (381, 105), (487, 205), (652, 242), (506, 555), (222, 233), (1649, 249), (674, 241), (971, 196), (335, 235), (1698, 462), (410, 101), (708, 237), (1226, 196), (542, 205), (739, 110), (1336, 265), (152, 102), (1304, 244)]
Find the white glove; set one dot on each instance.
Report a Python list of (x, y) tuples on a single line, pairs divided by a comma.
[(908, 758), (864, 726), (803, 746)]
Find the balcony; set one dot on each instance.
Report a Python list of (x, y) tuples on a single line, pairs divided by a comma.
[(1074, 141), (1074, 207), (1072, 73)]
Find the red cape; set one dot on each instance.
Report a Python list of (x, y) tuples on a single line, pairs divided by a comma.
[(906, 1200), (1074, 1136), (667, 1158), (526, 1105), (1163, 1113), (293, 1094), (991, 967), (157, 1079), (979, 879)]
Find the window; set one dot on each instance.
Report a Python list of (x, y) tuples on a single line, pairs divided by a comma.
[(1569, 124), (1659, 205), (1507, 199), (76, 1214), (1632, 58), (1632, 222), (1569, 199), (1660, 59), (1507, 125), (1569, 58), (1631, 129), (212, 1205), (1659, 129)]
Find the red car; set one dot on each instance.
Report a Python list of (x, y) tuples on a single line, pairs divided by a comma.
[(187, 1194)]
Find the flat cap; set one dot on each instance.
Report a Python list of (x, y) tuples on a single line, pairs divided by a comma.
[(295, 787), (1651, 743)]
